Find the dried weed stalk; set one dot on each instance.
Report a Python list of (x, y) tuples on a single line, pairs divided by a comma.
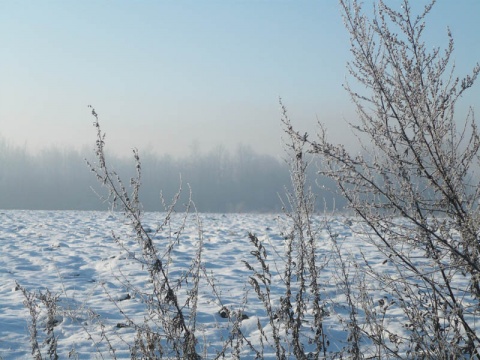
[(43, 316), (169, 329)]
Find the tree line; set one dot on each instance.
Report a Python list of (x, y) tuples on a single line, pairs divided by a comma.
[(221, 181)]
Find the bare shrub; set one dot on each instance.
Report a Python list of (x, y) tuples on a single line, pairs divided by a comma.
[(413, 187), (43, 316), (169, 328), (296, 318)]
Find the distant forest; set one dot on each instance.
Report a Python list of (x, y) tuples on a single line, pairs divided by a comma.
[(59, 179)]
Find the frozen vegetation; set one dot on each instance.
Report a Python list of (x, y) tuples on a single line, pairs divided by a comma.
[(75, 257), (395, 274)]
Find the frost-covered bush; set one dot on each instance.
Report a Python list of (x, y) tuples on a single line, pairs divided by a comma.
[(419, 164)]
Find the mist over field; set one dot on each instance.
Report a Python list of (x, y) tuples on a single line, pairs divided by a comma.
[(221, 181)]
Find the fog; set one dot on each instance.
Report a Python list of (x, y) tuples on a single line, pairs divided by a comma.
[(220, 181)]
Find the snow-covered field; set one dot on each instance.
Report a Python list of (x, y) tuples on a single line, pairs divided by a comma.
[(73, 254)]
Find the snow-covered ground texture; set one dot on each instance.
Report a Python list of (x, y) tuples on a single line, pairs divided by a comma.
[(92, 262)]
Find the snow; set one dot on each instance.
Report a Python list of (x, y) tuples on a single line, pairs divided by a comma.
[(74, 255)]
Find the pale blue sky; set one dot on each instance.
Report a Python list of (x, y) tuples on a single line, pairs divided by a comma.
[(166, 74)]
